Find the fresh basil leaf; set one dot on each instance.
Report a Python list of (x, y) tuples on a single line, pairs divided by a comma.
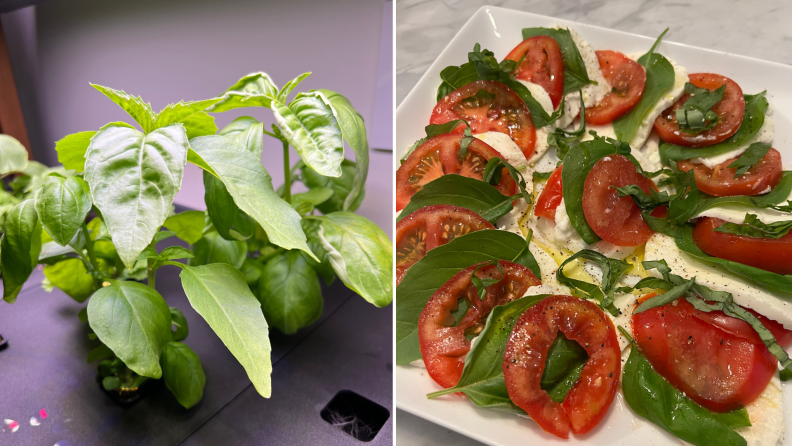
[(612, 271), (361, 255), (482, 376), (253, 90), (684, 204), (178, 320), (182, 373), (695, 116), (341, 186), (20, 246), (539, 176), (353, 129), (187, 225), (324, 268), (175, 253), (199, 124), (289, 292), (291, 85), (62, 204), (134, 321), (100, 352), (181, 112), (653, 398), (238, 126), (778, 195), (140, 111), (309, 124), (753, 119), (251, 188), (752, 155), (71, 150), (71, 277), (437, 267), (218, 293), (575, 74), (314, 196), (433, 130), (468, 193), (133, 179), (565, 360), (213, 248), (455, 77), (666, 298), (753, 227), (480, 284), (785, 374), (494, 170), (252, 138), (220, 206), (644, 201), (13, 155), (659, 81)]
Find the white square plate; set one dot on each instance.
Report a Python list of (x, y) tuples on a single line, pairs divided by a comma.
[(500, 30)]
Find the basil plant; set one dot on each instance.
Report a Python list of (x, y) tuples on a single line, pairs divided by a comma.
[(254, 258)]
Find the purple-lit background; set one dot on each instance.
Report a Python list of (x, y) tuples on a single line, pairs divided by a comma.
[(166, 51)]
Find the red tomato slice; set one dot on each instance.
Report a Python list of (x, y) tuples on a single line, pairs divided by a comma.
[(766, 253), (717, 369), (720, 180), (440, 156), (730, 112), (430, 227), (743, 330), (551, 196), (489, 106), (627, 78), (616, 220), (542, 64), (443, 345), (526, 352)]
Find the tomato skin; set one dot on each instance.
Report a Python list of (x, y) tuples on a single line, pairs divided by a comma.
[(526, 352), (768, 254), (716, 369), (439, 156), (730, 111), (542, 65), (551, 196), (505, 113), (628, 79), (615, 219), (430, 227), (443, 347), (720, 182)]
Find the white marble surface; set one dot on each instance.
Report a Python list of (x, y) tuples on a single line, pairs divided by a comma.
[(757, 28)]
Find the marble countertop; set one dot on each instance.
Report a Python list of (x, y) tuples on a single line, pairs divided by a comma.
[(424, 27)]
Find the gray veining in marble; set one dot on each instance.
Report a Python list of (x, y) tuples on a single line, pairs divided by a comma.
[(756, 28)]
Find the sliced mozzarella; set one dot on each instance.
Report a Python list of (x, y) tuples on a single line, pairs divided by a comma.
[(566, 235), (774, 305), (511, 221), (506, 147), (544, 100), (767, 416), (592, 93), (606, 130), (673, 95), (651, 149), (736, 213), (765, 135)]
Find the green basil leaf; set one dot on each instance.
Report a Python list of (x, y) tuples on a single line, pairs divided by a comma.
[(575, 74), (456, 190), (660, 78), (482, 377), (187, 225), (62, 204), (291, 85), (220, 205), (565, 360), (437, 267), (653, 398), (71, 277), (174, 253), (778, 195), (314, 196), (353, 129), (251, 269), (341, 186), (324, 268), (251, 188), (695, 112), (178, 320), (218, 293), (612, 271), (20, 246), (252, 139), (253, 90), (481, 285), (493, 172), (182, 373), (213, 248), (13, 155), (309, 124), (71, 150), (361, 255), (753, 119), (753, 227), (134, 178), (134, 321), (140, 111), (666, 298), (455, 77), (289, 292), (100, 352), (199, 124), (751, 156), (182, 111), (238, 126)]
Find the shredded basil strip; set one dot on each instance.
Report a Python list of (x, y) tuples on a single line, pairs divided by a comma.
[(482, 284), (751, 156), (562, 139), (494, 170), (775, 197), (753, 227), (612, 271), (695, 115)]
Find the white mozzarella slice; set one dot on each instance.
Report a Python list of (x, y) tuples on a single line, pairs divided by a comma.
[(736, 213), (765, 135), (606, 130), (504, 145), (651, 149), (767, 416), (565, 235), (774, 305), (511, 221)]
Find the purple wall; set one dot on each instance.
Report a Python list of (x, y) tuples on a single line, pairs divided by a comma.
[(166, 51)]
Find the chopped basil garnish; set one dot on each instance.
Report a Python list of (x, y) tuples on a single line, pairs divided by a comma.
[(753, 227), (751, 156), (493, 172), (695, 115), (482, 284), (612, 271)]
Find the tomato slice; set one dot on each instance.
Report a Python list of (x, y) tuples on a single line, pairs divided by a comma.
[(720, 181), (715, 368), (551, 196), (439, 156), (616, 220), (526, 352), (489, 106), (542, 64), (766, 253), (742, 329), (627, 78), (430, 227), (730, 112), (444, 344)]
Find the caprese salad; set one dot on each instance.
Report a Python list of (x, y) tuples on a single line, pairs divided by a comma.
[(582, 222)]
